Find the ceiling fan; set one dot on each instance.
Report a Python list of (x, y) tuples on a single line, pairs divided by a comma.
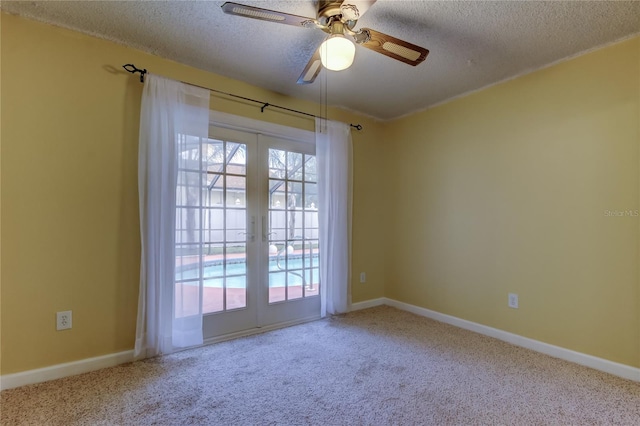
[(337, 18)]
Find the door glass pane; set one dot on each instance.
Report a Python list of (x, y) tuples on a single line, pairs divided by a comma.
[(188, 188), (278, 221), (213, 295), (237, 292), (310, 168), (236, 224), (277, 256), (237, 158), (212, 261), (213, 155), (211, 228), (277, 163), (236, 191), (294, 166), (293, 227), (188, 225), (312, 287), (294, 283), (235, 260), (311, 228), (214, 228), (236, 273), (187, 298), (215, 185), (296, 227), (294, 199), (277, 194), (277, 286), (187, 267), (311, 196)]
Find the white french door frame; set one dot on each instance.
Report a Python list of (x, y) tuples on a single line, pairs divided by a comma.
[(289, 310), (232, 321), (259, 313)]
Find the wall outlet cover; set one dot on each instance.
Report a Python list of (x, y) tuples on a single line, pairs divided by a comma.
[(63, 320)]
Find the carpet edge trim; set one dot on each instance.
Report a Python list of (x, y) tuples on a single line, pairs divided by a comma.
[(58, 371), (601, 364)]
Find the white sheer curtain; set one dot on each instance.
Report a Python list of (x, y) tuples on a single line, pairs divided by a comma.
[(333, 155), (173, 116)]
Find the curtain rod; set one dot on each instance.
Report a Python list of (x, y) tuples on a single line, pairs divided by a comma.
[(133, 69)]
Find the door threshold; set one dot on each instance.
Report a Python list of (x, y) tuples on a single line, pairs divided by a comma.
[(258, 330)]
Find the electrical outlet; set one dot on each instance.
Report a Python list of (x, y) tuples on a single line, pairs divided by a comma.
[(363, 277), (513, 300), (63, 320)]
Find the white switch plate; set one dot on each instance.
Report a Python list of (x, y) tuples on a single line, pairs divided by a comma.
[(513, 300), (63, 320), (363, 277)]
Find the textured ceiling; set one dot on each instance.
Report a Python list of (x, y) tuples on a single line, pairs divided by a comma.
[(472, 43)]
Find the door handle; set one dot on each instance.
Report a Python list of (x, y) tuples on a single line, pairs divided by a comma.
[(265, 234), (246, 233), (251, 236)]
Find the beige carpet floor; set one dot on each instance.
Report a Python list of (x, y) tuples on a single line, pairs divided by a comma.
[(379, 366)]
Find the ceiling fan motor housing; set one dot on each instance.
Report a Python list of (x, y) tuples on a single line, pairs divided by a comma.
[(328, 8), (332, 11)]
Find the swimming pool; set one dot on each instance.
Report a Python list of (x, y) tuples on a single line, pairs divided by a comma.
[(235, 277)]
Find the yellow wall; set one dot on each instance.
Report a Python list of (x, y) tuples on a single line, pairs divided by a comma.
[(506, 190), (70, 233), (501, 191)]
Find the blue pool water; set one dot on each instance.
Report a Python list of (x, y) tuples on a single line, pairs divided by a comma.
[(237, 270)]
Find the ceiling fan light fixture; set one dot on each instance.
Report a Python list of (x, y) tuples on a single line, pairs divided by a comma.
[(337, 52)]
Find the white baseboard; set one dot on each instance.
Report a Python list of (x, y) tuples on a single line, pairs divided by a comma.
[(617, 369), (58, 371), (9, 381), (368, 304), (40, 375)]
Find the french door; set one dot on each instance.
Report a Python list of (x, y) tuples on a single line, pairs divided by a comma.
[(289, 213), (258, 225)]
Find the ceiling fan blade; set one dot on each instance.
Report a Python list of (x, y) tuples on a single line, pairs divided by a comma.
[(311, 70), (390, 46), (352, 10), (268, 15)]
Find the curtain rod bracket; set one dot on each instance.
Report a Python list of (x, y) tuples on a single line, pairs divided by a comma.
[(356, 126), (133, 69), (266, 104)]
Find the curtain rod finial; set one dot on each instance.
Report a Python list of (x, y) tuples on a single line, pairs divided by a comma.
[(133, 69)]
